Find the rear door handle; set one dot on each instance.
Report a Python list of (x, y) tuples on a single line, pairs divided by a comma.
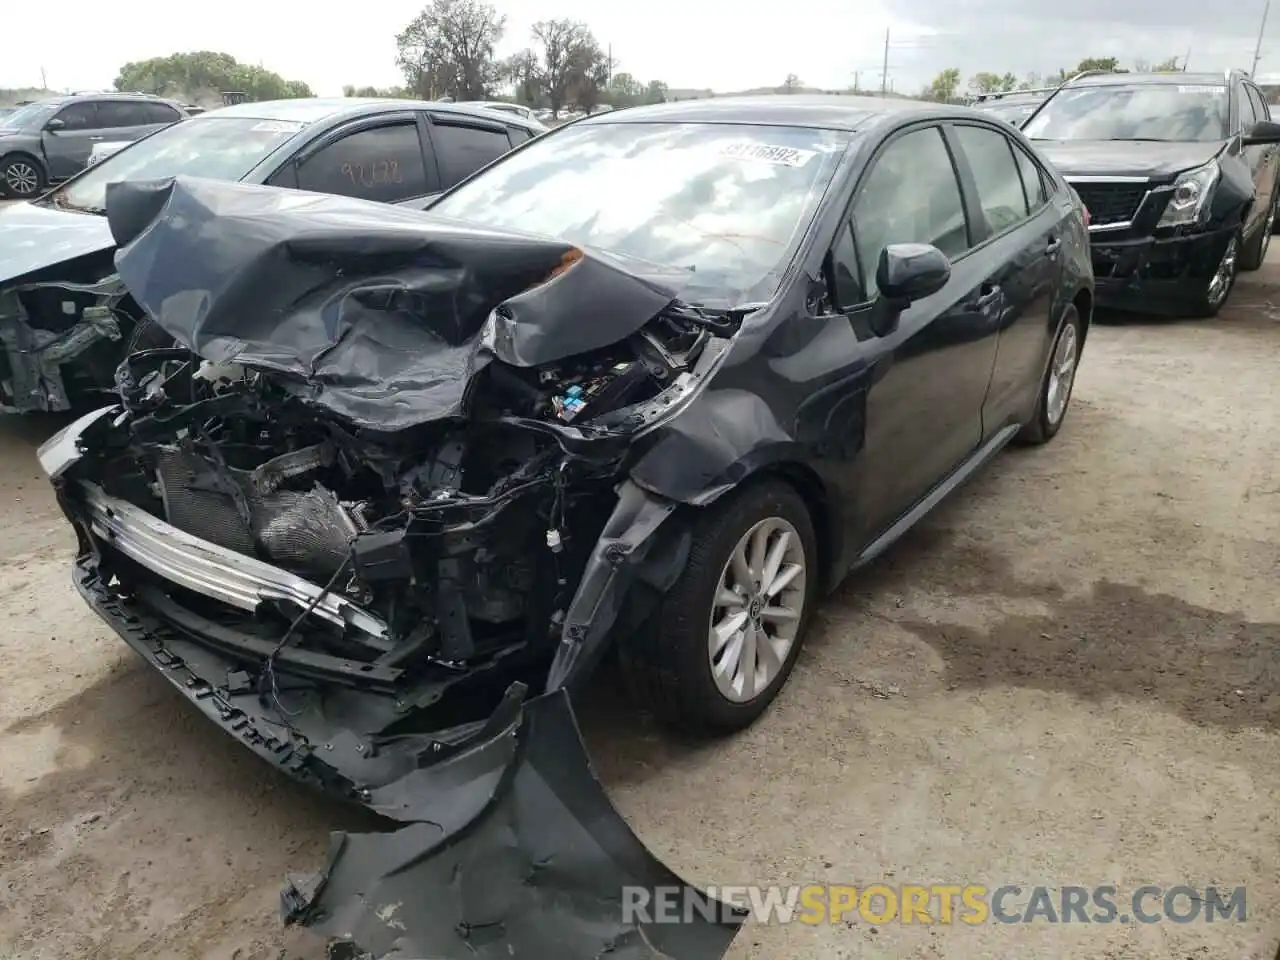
[(97, 138), (1052, 247)]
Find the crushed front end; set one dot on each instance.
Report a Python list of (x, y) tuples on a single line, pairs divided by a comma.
[(381, 561), (61, 340)]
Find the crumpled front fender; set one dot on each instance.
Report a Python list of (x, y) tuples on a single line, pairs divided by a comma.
[(514, 851)]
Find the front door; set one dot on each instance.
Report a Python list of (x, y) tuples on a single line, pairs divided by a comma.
[(68, 142), (920, 385)]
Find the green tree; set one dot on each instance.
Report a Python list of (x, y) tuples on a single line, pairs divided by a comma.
[(1106, 64), (655, 92), (984, 82), (944, 86), (448, 50), (625, 90), (1008, 82), (395, 93), (206, 72)]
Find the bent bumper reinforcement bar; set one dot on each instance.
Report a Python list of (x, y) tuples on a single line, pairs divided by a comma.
[(214, 571)]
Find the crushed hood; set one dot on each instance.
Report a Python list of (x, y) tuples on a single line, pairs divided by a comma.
[(381, 313), (34, 237), (1126, 158)]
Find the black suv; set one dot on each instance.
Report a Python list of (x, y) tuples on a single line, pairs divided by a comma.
[(1178, 172)]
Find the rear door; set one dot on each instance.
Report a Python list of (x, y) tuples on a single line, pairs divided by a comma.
[(1265, 180), (465, 144), (924, 402), (376, 158), (66, 148), (1022, 249)]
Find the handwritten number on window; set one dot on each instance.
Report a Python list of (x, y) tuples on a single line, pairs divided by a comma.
[(378, 173)]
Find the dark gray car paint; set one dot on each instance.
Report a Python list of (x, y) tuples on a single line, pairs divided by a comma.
[(811, 396)]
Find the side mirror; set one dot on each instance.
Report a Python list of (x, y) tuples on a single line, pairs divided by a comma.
[(55, 124), (908, 272), (1263, 132)]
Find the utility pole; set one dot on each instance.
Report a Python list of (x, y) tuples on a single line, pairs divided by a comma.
[(1186, 60), (856, 75), (609, 82), (884, 73), (44, 82), (1257, 50)]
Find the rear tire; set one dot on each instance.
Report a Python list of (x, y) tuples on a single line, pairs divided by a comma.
[(672, 665), (1059, 381), (22, 177)]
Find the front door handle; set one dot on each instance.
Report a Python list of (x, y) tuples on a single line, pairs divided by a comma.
[(988, 294), (1052, 247), (97, 138)]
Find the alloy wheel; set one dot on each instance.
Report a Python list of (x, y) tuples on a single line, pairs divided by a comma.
[(757, 610), (1220, 282), (21, 178), (1062, 374)]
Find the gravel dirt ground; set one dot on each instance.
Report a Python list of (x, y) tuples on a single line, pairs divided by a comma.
[(1069, 674)]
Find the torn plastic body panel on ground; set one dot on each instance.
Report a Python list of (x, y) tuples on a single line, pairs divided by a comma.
[(387, 497)]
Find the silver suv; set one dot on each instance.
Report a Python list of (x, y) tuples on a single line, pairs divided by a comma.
[(51, 140)]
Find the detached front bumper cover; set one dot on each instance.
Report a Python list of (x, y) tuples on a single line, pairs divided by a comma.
[(515, 852)]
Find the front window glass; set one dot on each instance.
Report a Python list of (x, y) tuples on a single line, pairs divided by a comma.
[(1180, 112), (727, 203), (217, 148)]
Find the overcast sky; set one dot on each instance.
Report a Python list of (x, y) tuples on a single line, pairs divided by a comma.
[(687, 43)]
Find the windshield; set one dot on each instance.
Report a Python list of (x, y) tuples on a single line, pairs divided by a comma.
[(32, 114), (1149, 111), (220, 148), (725, 202)]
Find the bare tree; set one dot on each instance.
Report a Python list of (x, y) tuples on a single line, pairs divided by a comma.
[(448, 49), (562, 42), (792, 83)]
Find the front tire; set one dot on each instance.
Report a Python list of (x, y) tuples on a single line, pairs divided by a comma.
[(1253, 253), (725, 638), (22, 177), (1059, 381), (1219, 286)]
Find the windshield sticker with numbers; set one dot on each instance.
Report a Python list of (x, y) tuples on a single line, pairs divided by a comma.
[(785, 156)]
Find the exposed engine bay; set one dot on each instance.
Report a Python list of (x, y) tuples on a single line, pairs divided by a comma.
[(464, 540)]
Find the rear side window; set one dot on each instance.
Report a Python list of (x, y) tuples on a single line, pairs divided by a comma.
[(379, 163), (518, 135), (995, 172), (462, 150), (79, 116), (910, 195), (121, 113), (1032, 179)]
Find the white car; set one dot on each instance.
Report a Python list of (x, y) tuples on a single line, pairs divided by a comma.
[(102, 150)]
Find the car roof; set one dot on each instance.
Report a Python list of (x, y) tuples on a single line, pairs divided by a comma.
[(831, 111), (315, 109), (1131, 79)]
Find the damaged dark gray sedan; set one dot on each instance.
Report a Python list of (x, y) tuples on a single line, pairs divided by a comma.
[(651, 385)]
